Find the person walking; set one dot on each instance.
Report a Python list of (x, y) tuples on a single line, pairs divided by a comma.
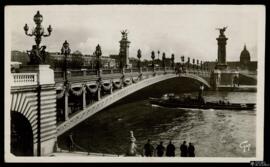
[(70, 142), (184, 149), (191, 150), (148, 149), (160, 149), (170, 150)]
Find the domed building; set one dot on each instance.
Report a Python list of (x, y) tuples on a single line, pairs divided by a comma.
[(245, 62), (244, 57)]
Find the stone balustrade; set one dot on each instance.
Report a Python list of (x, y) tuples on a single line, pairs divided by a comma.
[(24, 79)]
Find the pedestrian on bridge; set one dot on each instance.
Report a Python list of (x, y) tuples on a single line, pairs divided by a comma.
[(191, 150), (184, 149), (170, 150), (148, 149), (160, 149), (70, 142)]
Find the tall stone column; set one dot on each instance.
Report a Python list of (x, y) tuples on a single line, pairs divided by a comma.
[(43, 143), (84, 96), (124, 49), (222, 41), (111, 89), (98, 93), (66, 104)]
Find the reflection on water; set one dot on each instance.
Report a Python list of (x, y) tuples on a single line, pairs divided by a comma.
[(215, 133)]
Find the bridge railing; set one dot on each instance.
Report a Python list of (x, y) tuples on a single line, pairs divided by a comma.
[(77, 74), (24, 79), (91, 72), (107, 71), (116, 71)]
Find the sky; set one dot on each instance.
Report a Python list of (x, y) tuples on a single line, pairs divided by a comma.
[(188, 30)]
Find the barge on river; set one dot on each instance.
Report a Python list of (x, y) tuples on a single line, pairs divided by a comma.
[(186, 101)]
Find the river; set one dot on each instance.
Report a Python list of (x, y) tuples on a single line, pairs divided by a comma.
[(214, 133)]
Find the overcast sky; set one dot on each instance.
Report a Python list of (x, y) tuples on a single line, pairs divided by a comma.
[(182, 30)]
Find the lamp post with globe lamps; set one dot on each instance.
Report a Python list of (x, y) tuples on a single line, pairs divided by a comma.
[(139, 55), (193, 63), (172, 60), (37, 54), (65, 50), (98, 54), (153, 59), (163, 61)]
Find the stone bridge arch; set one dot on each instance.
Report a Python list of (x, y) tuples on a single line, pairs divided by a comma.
[(108, 100), (24, 109), (24, 101), (116, 96)]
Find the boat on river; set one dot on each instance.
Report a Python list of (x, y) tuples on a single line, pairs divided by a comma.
[(186, 101)]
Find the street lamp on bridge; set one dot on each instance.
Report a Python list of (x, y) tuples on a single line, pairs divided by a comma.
[(65, 51), (158, 58), (163, 61), (172, 59), (193, 62), (188, 62), (98, 54), (183, 60), (139, 55), (153, 59), (37, 55)]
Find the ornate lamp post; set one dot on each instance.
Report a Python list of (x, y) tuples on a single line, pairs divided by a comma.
[(163, 61), (98, 54), (183, 60), (172, 59), (188, 62), (37, 54), (139, 55), (158, 52), (153, 59), (197, 64), (65, 51), (193, 62)]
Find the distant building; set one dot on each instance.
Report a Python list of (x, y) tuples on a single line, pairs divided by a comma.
[(244, 63), (19, 56), (245, 57), (88, 60)]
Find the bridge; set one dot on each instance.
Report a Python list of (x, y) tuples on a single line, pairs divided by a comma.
[(47, 103), (42, 98)]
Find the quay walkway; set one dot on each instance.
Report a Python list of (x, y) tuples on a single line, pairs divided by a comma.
[(65, 153), (240, 88)]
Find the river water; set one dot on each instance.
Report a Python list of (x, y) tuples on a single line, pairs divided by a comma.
[(214, 133)]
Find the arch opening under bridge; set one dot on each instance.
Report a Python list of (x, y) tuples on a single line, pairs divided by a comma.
[(21, 135)]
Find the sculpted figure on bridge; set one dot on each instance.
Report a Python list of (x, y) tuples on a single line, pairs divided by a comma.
[(133, 147), (222, 30), (124, 34)]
